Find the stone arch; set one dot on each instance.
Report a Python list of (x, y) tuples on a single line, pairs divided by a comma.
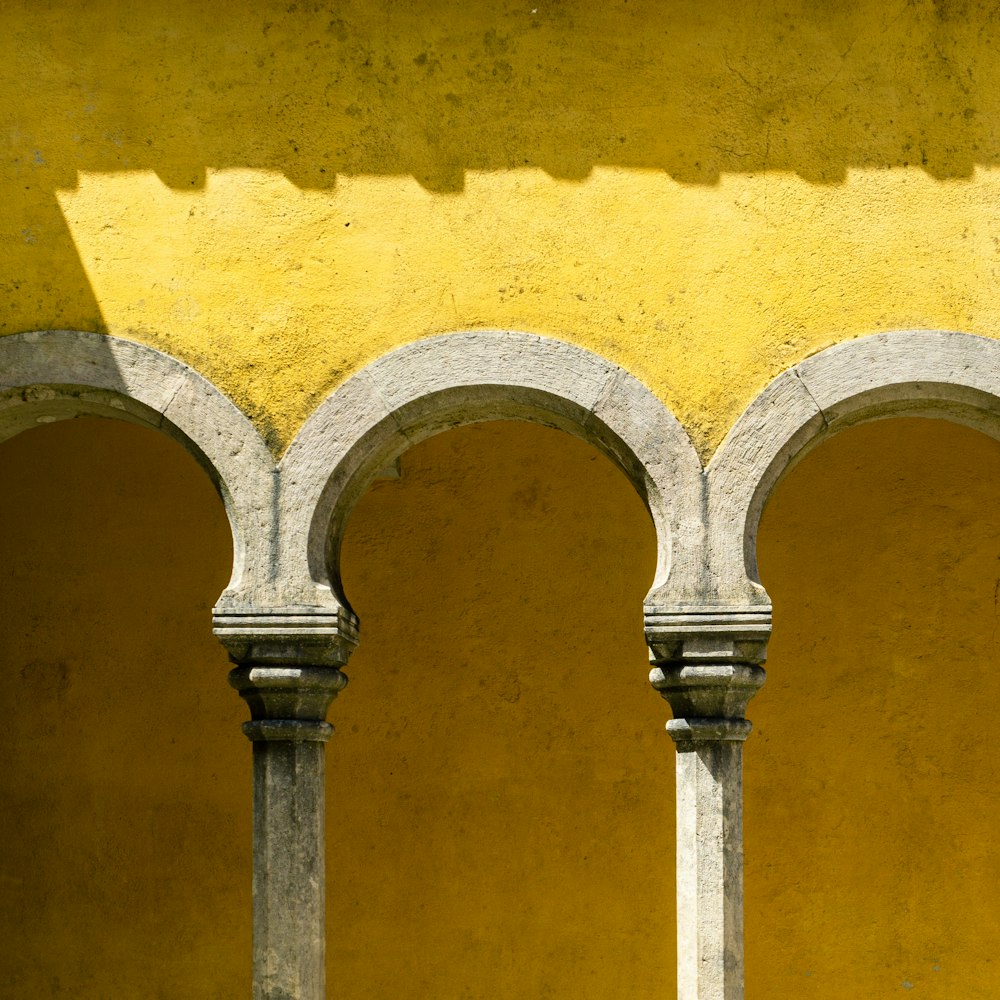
[(58, 374), (930, 373), (445, 381)]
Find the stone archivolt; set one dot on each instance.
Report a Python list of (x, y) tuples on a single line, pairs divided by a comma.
[(288, 626)]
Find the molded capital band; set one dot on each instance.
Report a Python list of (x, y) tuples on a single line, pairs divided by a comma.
[(295, 730), (289, 702), (686, 733), (311, 636), (708, 691)]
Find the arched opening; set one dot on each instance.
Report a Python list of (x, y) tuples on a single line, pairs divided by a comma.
[(870, 788), (126, 818), (503, 787)]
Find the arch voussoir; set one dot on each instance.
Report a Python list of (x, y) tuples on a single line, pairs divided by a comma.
[(446, 381), (60, 374), (930, 373)]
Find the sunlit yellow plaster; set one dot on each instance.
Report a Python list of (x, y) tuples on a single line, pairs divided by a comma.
[(279, 193), (705, 292)]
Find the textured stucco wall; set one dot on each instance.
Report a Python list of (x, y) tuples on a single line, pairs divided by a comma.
[(124, 798), (279, 193), (871, 779), (501, 791), (500, 764), (704, 194)]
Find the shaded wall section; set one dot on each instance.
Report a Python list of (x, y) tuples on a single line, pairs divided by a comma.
[(501, 788), (871, 781), (125, 790), (278, 193)]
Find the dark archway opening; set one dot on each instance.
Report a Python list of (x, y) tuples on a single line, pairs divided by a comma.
[(871, 803), (124, 797), (502, 795)]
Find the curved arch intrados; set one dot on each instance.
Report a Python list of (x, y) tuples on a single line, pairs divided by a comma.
[(59, 374), (455, 379), (444, 411), (937, 374)]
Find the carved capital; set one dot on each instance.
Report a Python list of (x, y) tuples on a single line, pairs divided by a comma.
[(288, 667), (707, 665), (288, 703), (707, 634)]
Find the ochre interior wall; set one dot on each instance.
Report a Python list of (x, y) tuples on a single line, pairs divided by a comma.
[(500, 803), (125, 787), (500, 800), (704, 193), (872, 781), (501, 797)]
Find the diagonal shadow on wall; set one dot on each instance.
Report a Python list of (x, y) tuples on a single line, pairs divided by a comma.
[(432, 90)]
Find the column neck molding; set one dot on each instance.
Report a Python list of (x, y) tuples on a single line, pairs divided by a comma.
[(289, 702)]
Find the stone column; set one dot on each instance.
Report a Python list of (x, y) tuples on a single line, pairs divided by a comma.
[(288, 673), (707, 664)]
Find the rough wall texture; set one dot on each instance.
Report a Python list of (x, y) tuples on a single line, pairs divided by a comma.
[(704, 194), (871, 781), (124, 795), (500, 762)]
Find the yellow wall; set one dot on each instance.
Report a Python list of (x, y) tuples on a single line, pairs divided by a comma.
[(124, 792), (872, 778), (500, 800), (704, 193), (500, 795)]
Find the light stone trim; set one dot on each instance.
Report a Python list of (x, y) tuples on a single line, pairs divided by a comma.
[(706, 662), (446, 381), (928, 373), (60, 374), (710, 868)]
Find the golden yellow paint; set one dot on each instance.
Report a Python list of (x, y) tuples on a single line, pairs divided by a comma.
[(872, 778), (703, 193), (124, 792), (501, 802), (278, 193), (500, 818), (501, 789)]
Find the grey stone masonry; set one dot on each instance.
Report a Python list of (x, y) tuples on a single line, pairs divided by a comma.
[(288, 674), (707, 665)]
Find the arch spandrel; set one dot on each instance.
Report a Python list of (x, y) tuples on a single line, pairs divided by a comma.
[(59, 374), (930, 373), (454, 379)]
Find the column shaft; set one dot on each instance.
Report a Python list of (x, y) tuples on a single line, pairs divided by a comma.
[(289, 898), (707, 665), (710, 870), (288, 705)]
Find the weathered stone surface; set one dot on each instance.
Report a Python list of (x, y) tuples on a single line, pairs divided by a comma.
[(306, 636), (462, 378), (62, 374), (289, 884), (644, 436), (710, 869), (706, 664), (288, 704), (922, 372)]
